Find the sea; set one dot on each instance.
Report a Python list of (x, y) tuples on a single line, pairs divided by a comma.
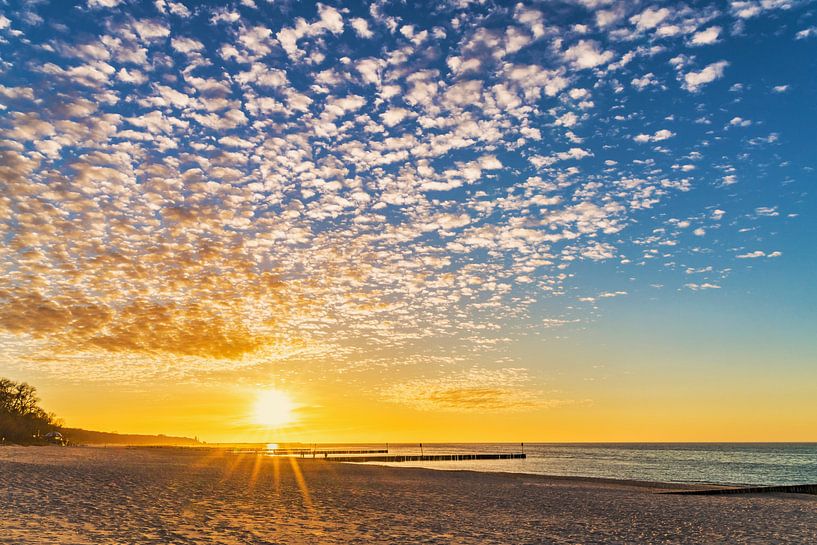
[(712, 463)]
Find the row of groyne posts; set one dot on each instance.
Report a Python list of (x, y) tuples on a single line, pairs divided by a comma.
[(383, 455)]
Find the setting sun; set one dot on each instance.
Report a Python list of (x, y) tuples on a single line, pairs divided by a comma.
[(273, 409)]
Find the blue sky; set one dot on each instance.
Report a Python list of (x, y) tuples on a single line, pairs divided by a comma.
[(424, 195)]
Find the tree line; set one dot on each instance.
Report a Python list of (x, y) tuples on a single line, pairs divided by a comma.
[(22, 420)]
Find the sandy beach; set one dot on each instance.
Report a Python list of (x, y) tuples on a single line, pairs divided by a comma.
[(197, 496)]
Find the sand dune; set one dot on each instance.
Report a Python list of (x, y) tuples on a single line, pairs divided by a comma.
[(198, 496)]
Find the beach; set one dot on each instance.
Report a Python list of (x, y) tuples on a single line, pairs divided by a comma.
[(197, 496)]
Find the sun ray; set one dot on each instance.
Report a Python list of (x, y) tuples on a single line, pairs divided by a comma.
[(299, 478), (276, 474), (256, 470)]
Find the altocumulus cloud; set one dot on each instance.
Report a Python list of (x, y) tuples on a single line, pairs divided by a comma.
[(219, 187)]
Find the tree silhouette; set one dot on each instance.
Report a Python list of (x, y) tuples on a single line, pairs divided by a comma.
[(22, 420)]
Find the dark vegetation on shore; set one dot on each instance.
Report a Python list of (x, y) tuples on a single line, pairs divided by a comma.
[(88, 437), (24, 422)]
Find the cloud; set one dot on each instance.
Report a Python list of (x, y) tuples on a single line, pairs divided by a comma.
[(746, 9), (394, 115), (694, 80), (587, 54), (504, 389), (704, 286), (758, 253), (329, 20), (573, 153), (370, 70), (264, 184), (658, 136), (75, 324), (806, 33), (532, 18), (706, 37), (644, 81), (768, 211), (361, 27), (186, 45), (176, 8), (649, 18), (151, 30)]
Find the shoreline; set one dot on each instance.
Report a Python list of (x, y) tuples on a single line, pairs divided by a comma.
[(409, 465), (395, 465), (190, 496)]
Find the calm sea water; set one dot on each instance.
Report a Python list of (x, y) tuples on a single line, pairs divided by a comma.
[(723, 463)]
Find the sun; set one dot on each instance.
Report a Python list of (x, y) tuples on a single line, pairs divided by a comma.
[(273, 409)]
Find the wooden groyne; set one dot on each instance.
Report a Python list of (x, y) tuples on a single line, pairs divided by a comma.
[(302, 452), (785, 489), (428, 457), (299, 451)]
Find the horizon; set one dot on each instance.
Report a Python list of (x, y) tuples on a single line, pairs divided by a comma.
[(582, 221)]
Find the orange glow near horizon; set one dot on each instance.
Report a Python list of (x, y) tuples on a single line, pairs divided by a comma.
[(620, 409)]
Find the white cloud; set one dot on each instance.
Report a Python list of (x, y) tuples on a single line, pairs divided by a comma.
[(103, 3), (17, 92), (587, 54), (806, 33), (705, 286), (759, 253), (649, 18), (186, 45), (262, 75), (746, 9), (540, 161), (395, 115), (361, 27), (658, 136), (608, 17), (489, 162), (644, 81), (694, 80), (706, 37), (330, 20), (532, 18), (150, 30), (568, 119), (176, 8), (369, 69)]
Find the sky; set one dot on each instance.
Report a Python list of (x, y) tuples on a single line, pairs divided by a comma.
[(585, 220)]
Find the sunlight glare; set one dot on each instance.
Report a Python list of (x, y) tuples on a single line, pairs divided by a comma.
[(273, 409)]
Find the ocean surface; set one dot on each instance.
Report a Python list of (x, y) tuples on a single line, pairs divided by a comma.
[(716, 463)]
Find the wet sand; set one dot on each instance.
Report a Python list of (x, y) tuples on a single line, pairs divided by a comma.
[(197, 496)]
